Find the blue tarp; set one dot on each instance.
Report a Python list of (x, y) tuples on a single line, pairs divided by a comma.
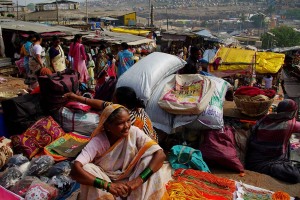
[(206, 33)]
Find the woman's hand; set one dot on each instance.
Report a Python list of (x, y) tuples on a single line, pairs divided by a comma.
[(135, 183), (119, 189), (70, 96)]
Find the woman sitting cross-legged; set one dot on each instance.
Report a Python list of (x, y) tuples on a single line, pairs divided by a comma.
[(121, 161), (269, 142)]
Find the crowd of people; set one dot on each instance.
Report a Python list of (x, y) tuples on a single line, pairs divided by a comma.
[(51, 58)]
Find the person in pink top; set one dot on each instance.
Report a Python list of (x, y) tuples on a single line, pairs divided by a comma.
[(77, 52)]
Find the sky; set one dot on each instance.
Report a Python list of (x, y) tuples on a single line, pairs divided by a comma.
[(23, 2)]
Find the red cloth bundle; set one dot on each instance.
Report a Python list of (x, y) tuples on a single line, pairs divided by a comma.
[(254, 91)]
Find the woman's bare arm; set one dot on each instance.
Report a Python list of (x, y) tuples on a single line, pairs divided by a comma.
[(94, 103)]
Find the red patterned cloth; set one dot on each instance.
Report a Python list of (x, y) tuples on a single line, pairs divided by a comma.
[(40, 134)]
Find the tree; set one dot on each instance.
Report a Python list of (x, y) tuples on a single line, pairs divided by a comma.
[(282, 36), (31, 6), (11, 15), (258, 20)]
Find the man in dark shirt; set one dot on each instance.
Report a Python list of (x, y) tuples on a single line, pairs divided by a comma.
[(193, 64)]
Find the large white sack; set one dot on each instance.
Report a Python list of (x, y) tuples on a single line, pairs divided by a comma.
[(212, 117), (161, 119), (144, 76)]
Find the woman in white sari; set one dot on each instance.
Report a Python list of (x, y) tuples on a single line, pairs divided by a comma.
[(56, 56), (122, 161)]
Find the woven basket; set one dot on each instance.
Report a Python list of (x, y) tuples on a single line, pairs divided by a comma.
[(252, 108), (7, 95)]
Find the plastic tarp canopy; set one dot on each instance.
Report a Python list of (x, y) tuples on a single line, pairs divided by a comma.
[(205, 33), (131, 31), (269, 62), (240, 60)]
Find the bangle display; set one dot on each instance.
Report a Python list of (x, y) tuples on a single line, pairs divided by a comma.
[(145, 175)]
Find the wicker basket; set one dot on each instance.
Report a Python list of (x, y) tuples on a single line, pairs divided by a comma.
[(7, 95), (251, 107)]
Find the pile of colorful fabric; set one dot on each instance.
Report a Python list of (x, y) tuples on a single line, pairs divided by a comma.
[(193, 184), (254, 91)]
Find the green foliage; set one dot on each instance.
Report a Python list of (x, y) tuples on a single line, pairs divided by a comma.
[(293, 14), (284, 36), (258, 21), (11, 15), (31, 6)]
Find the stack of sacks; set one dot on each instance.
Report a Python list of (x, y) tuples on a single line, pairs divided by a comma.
[(212, 116), (161, 119), (147, 78)]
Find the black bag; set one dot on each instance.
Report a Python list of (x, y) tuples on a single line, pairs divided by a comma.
[(54, 86), (21, 112), (106, 91)]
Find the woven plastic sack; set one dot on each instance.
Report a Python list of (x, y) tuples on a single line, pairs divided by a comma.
[(146, 74), (187, 94), (212, 116), (161, 119)]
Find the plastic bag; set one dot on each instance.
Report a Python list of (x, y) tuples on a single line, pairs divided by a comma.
[(40, 165), (39, 190), (63, 183), (17, 160), (62, 168), (21, 187), (24, 168), (10, 177), (44, 179)]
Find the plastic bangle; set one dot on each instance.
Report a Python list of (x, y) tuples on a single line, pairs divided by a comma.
[(146, 174), (99, 183), (108, 186)]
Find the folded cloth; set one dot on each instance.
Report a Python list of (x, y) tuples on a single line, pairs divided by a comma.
[(254, 91), (80, 141)]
